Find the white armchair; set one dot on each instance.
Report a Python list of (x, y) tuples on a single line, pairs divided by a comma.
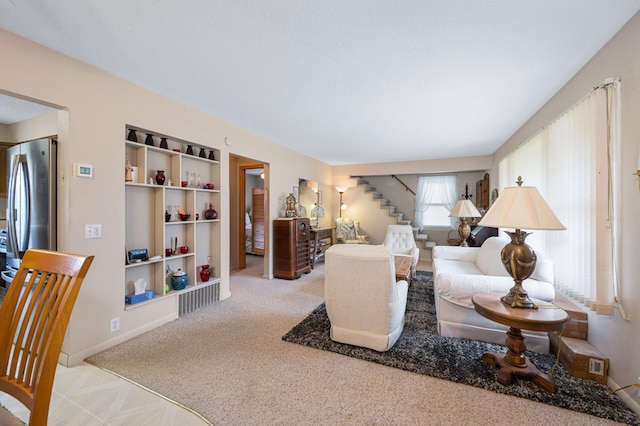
[(365, 304), (401, 241)]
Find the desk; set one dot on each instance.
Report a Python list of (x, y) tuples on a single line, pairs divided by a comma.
[(547, 317), (403, 268), (321, 240)]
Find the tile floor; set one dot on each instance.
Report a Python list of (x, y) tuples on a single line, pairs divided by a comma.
[(86, 395)]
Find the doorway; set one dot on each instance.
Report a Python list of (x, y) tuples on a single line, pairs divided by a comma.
[(249, 207), (33, 126)]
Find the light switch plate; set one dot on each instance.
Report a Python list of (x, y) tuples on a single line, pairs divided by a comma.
[(93, 231)]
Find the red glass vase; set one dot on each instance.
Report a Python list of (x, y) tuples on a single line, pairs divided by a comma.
[(210, 214), (205, 272), (160, 177)]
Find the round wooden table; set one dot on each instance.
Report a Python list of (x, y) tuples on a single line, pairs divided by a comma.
[(547, 317)]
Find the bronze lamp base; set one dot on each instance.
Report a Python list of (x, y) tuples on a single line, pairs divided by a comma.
[(520, 261), (464, 230)]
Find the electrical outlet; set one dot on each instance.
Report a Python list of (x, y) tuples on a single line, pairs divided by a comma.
[(93, 231), (115, 324)]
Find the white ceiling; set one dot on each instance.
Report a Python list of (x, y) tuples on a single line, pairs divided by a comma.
[(344, 81)]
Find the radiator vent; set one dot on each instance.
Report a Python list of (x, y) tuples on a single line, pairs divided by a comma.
[(193, 299)]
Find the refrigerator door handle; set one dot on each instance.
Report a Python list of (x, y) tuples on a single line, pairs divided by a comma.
[(12, 240)]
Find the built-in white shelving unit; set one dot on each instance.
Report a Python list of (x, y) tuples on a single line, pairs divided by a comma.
[(147, 202)]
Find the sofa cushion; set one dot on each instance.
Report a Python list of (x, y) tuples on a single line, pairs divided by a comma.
[(489, 259), (544, 268), (459, 288), (455, 267)]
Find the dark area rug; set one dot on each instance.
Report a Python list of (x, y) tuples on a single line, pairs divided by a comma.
[(421, 350)]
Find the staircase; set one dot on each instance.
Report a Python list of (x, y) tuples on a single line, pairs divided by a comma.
[(421, 239)]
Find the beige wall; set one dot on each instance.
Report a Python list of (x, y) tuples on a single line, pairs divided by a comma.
[(99, 106), (444, 165)]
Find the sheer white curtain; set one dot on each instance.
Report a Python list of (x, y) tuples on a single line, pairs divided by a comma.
[(572, 162), (430, 186)]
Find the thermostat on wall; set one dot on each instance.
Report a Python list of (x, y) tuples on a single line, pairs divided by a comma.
[(82, 170)]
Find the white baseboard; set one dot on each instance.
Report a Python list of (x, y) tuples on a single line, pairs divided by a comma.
[(624, 395), (77, 358)]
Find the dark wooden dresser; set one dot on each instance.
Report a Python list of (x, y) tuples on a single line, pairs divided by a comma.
[(291, 255)]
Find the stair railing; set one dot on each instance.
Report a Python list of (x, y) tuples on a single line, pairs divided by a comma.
[(403, 184)]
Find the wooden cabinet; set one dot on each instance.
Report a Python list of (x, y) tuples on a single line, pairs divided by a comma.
[(291, 247), (152, 219), (321, 240), (482, 192)]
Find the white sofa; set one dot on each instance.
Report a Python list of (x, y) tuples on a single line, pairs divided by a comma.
[(364, 302), (461, 272)]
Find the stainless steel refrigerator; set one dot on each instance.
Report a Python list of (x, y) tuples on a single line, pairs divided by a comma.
[(31, 200)]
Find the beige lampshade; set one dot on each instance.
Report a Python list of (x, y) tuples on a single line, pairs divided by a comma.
[(464, 208), (521, 207)]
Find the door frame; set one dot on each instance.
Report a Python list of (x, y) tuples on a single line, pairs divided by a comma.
[(242, 187)]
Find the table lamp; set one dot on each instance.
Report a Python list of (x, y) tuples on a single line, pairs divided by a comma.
[(464, 209), (318, 212), (520, 207)]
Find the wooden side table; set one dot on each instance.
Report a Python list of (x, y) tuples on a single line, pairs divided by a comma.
[(403, 268), (546, 318), (321, 240)]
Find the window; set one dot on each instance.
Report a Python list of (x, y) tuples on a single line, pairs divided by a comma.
[(435, 198), (572, 162), (437, 214)]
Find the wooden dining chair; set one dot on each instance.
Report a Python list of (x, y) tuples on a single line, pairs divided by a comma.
[(33, 322)]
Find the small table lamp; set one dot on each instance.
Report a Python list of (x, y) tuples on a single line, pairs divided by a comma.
[(464, 209), (520, 207), (317, 211)]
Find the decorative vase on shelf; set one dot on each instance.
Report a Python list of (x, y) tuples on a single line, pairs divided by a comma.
[(210, 214), (205, 273), (132, 136), (128, 175), (212, 155), (179, 280), (203, 153), (149, 140), (189, 150), (160, 177), (163, 143)]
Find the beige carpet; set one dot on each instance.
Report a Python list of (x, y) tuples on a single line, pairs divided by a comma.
[(228, 362)]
